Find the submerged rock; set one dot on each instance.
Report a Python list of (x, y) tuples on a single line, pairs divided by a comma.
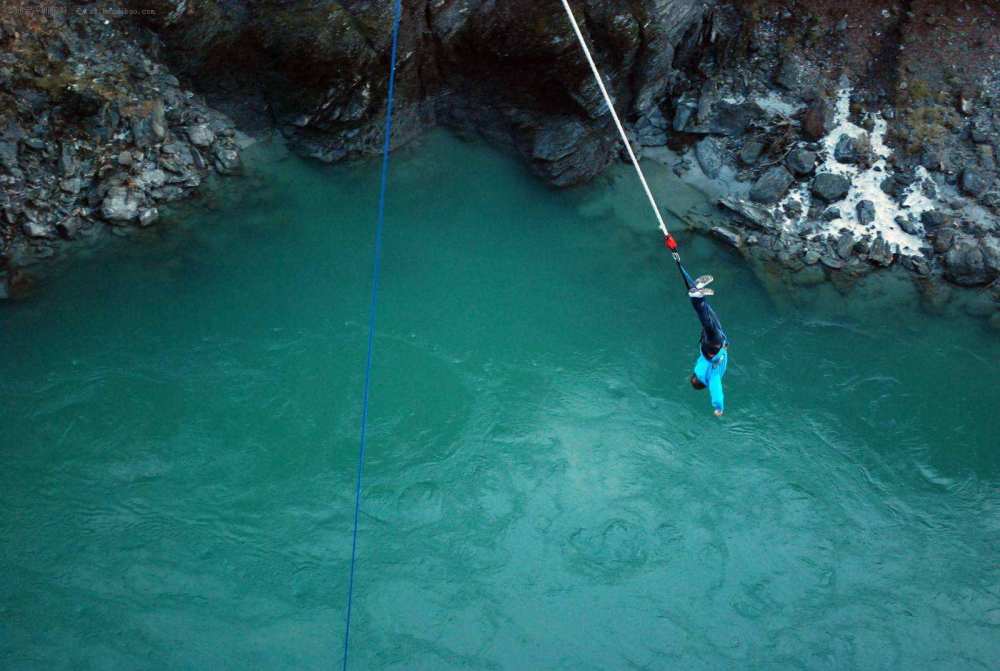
[(227, 161)]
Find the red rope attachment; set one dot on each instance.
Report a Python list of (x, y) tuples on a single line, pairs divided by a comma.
[(670, 243)]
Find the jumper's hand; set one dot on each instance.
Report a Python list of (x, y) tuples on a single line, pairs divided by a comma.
[(718, 413)]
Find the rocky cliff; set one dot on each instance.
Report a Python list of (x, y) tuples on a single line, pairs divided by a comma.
[(846, 137)]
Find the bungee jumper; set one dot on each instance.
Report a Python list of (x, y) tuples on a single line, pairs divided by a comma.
[(713, 356), (713, 346)]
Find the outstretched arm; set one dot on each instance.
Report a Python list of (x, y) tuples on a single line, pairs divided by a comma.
[(718, 397)]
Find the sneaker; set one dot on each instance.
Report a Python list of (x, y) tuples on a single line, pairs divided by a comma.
[(703, 281), (700, 293)]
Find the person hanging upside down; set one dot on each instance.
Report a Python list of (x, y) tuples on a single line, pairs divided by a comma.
[(714, 357)]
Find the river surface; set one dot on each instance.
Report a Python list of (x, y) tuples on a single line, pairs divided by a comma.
[(179, 433)]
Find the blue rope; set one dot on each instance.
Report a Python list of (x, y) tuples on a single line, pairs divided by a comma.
[(397, 17)]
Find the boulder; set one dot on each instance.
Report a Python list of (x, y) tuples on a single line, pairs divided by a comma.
[(830, 187), (754, 214), (846, 150), (148, 216), (909, 224), (227, 161), (971, 262), (201, 135), (881, 252), (120, 205), (751, 151), (866, 212), (790, 73), (771, 186), (973, 184), (933, 219), (801, 161), (683, 113), (845, 245), (817, 122), (728, 236), (709, 154)]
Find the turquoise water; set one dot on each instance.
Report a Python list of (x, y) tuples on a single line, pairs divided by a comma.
[(543, 490)]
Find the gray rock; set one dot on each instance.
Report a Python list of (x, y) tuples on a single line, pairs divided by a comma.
[(771, 186), (201, 135), (944, 239), (227, 161), (125, 158), (817, 122), (69, 228), (846, 150), (830, 187), (973, 184), (933, 219), (881, 252), (866, 212), (650, 131), (917, 264), (832, 261), (790, 73), (727, 236), (152, 178), (754, 214), (709, 154), (148, 216), (801, 161), (71, 185), (751, 151), (121, 204), (909, 224), (831, 214), (36, 143), (684, 112), (890, 186), (39, 229), (971, 262), (8, 155), (168, 194), (67, 160), (845, 245)]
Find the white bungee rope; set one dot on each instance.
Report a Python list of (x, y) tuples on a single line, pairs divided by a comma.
[(614, 115)]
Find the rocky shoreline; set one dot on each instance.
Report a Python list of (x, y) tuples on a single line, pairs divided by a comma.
[(95, 135), (843, 141)]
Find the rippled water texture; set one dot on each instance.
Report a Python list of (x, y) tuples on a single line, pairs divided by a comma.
[(544, 490)]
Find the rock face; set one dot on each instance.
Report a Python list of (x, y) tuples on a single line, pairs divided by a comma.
[(508, 69), (763, 94), (94, 133)]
